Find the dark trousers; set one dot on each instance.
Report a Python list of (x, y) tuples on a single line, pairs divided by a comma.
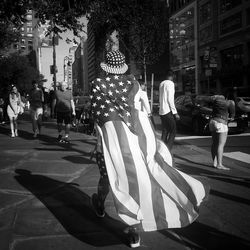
[(168, 129)]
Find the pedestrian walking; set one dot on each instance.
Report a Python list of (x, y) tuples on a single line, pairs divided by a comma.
[(149, 193), (223, 111), (36, 99), (167, 111), (64, 105), (13, 109)]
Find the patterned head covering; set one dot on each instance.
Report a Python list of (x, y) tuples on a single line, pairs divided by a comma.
[(115, 63)]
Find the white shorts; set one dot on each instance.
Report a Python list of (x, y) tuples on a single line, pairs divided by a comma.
[(217, 127), (35, 113)]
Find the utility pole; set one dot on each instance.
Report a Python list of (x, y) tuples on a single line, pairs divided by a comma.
[(54, 56)]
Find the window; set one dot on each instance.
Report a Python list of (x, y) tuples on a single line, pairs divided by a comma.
[(226, 5), (30, 48), (248, 16), (22, 41), (30, 42), (231, 23), (30, 35), (206, 34), (29, 17), (29, 29), (29, 24), (205, 12), (232, 56)]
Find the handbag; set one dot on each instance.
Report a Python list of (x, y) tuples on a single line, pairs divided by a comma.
[(20, 108)]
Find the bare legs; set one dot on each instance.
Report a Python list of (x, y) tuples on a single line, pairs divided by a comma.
[(217, 149), (13, 126)]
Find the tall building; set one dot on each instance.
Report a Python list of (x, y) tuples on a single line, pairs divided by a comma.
[(224, 45), (210, 44), (26, 43), (183, 44)]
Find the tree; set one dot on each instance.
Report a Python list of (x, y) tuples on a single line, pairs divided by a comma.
[(17, 70), (142, 26)]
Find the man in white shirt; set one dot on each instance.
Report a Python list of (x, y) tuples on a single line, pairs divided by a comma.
[(167, 110)]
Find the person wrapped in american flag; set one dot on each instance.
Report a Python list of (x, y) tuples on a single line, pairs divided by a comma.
[(149, 192)]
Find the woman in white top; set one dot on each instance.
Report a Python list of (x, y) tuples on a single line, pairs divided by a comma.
[(13, 109)]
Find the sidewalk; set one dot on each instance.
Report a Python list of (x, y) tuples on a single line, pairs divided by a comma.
[(45, 192)]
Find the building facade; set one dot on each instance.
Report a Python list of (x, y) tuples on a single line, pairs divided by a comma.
[(210, 45)]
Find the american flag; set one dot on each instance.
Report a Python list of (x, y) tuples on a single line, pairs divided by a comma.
[(146, 187)]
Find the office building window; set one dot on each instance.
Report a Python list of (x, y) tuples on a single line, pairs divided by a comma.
[(205, 12), (30, 35), (29, 29), (206, 34), (30, 42), (22, 41), (231, 23), (248, 16), (29, 17), (29, 24), (226, 5), (232, 56)]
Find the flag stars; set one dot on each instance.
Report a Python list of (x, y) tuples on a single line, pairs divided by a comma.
[(116, 77), (129, 82), (108, 79), (98, 79), (104, 86), (98, 112), (98, 98), (110, 92), (111, 109), (121, 83), (111, 85), (107, 101), (124, 90), (106, 114), (102, 106), (94, 104), (123, 98)]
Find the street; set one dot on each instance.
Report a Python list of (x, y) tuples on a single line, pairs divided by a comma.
[(45, 190)]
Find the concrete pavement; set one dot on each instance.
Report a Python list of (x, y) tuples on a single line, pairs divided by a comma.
[(45, 191)]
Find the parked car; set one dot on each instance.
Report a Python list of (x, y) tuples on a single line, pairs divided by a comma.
[(196, 111)]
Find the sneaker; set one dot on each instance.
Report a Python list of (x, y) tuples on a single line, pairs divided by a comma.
[(96, 204), (12, 135), (60, 139), (133, 237), (35, 134), (66, 140)]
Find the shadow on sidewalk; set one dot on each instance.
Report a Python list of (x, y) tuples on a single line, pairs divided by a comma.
[(72, 209), (199, 236)]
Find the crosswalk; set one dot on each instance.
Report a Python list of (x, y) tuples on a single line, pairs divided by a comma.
[(239, 156)]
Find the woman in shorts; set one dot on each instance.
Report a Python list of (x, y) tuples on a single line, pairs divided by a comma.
[(223, 110)]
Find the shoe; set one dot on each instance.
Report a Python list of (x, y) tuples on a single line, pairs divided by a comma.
[(16, 133), (60, 139), (66, 140), (133, 237), (35, 134), (96, 204), (12, 135)]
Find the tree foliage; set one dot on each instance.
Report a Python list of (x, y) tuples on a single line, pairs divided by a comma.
[(142, 26), (17, 70)]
